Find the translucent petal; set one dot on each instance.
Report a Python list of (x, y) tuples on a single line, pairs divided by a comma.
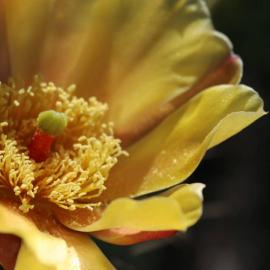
[(176, 210), (172, 151), (4, 57), (136, 55)]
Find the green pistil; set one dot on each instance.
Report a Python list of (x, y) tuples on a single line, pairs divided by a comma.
[(52, 122)]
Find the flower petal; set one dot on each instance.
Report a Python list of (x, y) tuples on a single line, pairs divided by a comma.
[(130, 237), (9, 247), (41, 250), (162, 51), (172, 151), (89, 255), (26, 24), (136, 55), (177, 210), (4, 59)]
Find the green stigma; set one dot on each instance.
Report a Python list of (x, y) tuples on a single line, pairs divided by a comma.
[(52, 122)]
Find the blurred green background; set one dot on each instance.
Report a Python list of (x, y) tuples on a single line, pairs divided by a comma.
[(234, 232)]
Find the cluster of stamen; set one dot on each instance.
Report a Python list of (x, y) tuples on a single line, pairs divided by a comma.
[(75, 171)]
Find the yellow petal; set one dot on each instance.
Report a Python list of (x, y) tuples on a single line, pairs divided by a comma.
[(4, 60), (89, 255), (161, 53), (172, 151), (68, 251), (26, 24), (177, 210), (136, 55)]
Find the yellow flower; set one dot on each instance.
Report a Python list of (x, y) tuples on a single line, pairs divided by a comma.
[(157, 70)]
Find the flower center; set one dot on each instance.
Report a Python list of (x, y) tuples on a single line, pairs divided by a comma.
[(54, 146)]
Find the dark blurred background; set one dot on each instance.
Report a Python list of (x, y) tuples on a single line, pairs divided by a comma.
[(234, 231)]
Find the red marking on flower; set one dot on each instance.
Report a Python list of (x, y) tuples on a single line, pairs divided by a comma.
[(146, 236), (9, 248), (40, 145), (130, 237)]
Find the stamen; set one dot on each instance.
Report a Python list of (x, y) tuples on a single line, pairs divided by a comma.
[(34, 119)]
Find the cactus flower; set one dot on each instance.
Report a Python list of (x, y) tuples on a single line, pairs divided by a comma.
[(101, 102)]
